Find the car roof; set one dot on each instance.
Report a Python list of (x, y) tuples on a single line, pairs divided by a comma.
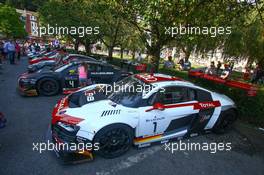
[(79, 55), (90, 62), (161, 80)]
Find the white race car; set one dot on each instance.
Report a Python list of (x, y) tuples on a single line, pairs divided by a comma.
[(139, 110)]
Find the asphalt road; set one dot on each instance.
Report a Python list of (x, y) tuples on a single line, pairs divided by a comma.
[(28, 122)]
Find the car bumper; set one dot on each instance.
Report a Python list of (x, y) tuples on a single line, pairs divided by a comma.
[(67, 155), (27, 92)]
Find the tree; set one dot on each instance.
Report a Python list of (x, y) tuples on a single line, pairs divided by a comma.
[(10, 24), (154, 18), (247, 38), (114, 30), (68, 14), (32, 5)]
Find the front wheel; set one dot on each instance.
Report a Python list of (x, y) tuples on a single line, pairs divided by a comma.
[(114, 140), (48, 87), (225, 121)]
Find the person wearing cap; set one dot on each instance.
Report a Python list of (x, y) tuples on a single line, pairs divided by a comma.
[(226, 72)]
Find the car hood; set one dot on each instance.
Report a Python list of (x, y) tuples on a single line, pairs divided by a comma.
[(87, 103)]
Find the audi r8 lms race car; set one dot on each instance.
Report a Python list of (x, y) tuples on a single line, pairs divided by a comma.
[(45, 57), (65, 78), (140, 110), (32, 55), (54, 62)]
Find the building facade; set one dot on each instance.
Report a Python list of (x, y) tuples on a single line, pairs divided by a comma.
[(31, 23)]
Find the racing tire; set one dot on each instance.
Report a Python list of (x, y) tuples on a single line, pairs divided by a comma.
[(48, 87), (114, 140), (225, 122)]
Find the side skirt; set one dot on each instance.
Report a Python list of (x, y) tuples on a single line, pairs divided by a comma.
[(162, 138)]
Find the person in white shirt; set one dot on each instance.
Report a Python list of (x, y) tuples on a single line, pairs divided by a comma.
[(11, 49), (139, 58)]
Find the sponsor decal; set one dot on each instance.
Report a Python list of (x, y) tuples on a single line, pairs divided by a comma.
[(155, 119), (110, 112), (102, 73)]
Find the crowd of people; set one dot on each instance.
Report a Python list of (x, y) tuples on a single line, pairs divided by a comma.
[(217, 71), (10, 50), (222, 70)]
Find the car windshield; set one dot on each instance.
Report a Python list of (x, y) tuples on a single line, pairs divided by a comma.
[(128, 92), (62, 67)]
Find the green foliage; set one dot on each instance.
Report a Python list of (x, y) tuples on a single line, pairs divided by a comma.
[(10, 24), (247, 38), (32, 5)]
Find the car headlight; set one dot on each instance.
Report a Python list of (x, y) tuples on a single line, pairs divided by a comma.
[(68, 127), (31, 81)]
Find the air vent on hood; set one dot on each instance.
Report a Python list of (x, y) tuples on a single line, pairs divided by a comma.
[(110, 112)]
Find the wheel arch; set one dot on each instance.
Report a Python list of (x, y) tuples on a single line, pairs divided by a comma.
[(133, 128), (48, 77)]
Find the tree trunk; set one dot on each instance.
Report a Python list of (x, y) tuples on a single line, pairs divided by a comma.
[(88, 48), (154, 52), (110, 52), (133, 54), (76, 45), (121, 52)]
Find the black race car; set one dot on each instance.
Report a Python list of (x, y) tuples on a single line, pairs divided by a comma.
[(51, 64), (49, 82)]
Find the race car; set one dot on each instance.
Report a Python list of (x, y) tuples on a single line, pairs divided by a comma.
[(32, 55), (45, 57), (52, 63), (65, 78), (144, 109)]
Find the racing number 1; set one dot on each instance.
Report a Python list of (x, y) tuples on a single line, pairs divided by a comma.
[(155, 126)]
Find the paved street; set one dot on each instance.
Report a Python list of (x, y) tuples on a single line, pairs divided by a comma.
[(28, 122)]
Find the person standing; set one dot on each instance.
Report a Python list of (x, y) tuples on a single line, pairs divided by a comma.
[(139, 58), (5, 49), (211, 69), (226, 72), (169, 64), (18, 51), (2, 120), (258, 74), (218, 67), (1, 52), (11, 52), (83, 74)]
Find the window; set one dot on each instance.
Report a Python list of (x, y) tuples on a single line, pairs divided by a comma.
[(172, 95), (33, 18), (94, 68), (203, 96)]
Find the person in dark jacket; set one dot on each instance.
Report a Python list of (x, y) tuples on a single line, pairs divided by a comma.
[(2, 120)]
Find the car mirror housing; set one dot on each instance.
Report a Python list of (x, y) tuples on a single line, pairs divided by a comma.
[(156, 106), (159, 106)]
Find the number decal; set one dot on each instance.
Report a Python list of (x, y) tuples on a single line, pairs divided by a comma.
[(155, 126), (71, 83), (90, 98)]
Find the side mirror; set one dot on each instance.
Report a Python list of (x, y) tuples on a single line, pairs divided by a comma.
[(156, 106), (159, 106)]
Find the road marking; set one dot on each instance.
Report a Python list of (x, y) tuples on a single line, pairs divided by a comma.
[(131, 161)]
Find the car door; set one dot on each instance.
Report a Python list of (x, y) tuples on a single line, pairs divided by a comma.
[(70, 77), (169, 110), (94, 73)]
